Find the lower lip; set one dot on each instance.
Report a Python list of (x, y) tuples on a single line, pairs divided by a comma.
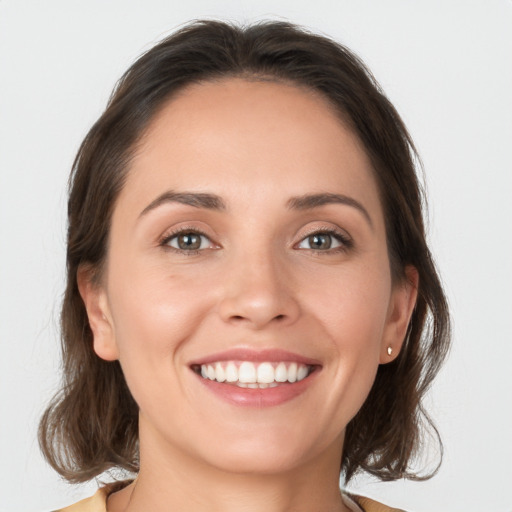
[(257, 397)]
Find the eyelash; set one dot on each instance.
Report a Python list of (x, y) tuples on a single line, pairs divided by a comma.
[(346, 242), (173, 234)]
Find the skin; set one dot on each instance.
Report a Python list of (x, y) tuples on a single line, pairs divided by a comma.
[(255, 283)]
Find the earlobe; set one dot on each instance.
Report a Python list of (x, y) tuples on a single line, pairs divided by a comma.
[(98, 313), (402, 305)]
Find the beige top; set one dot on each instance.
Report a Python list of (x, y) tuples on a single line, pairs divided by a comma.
[(98, 503)]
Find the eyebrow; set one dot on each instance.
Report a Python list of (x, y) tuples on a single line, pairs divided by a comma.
[(310, 201), (196, 199), (215, 202)]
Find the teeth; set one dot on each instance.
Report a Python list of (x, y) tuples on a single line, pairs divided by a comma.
[(265, 373), (220, 374), (248, 374), (292, 372), (231, 372), (281, 373), (302, 372)]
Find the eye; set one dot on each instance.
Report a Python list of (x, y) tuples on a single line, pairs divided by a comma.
[(326, 240), (187, 241)]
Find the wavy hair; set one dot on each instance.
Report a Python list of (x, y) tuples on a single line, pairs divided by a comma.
[(91, 425)]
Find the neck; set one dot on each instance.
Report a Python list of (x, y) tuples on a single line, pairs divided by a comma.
[(176, 481)]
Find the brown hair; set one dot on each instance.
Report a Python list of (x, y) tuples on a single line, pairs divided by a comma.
[(92, 424)]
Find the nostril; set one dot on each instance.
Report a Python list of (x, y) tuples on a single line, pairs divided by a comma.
[(241, 317)]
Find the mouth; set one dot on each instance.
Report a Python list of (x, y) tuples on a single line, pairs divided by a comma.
[(254, 375), (256, 378)]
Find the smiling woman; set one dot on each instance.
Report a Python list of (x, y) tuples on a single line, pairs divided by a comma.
[(248, 282)]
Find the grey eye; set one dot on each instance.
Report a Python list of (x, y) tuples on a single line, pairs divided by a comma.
[(188, 241), (320, 241)]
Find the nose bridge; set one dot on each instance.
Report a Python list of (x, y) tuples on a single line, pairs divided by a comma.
[(258, 288)]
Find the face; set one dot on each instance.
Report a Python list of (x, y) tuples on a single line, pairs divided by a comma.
[(247, 291)]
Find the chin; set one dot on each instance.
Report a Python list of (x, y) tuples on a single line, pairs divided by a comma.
[(269, 462), (264, 454)]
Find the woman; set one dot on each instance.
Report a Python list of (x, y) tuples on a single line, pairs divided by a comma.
[(249, 286)]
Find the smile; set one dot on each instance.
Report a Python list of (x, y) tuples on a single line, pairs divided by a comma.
[(256, 378), (247, 374)]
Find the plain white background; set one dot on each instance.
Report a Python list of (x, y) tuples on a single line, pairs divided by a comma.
[(446, 65)]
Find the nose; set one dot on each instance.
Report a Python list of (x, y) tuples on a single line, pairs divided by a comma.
[(258, 291)]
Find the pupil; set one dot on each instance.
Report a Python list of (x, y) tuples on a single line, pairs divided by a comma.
[(189, 241), (320, 241)]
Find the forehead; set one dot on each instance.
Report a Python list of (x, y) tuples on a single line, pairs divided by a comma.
[(235, 137)]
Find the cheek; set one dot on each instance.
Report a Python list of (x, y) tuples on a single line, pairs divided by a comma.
[(154, 313), (352, 311), (351, 303), (154, 309)]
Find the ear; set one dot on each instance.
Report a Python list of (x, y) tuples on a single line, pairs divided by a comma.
[(98, 312), (401, 306)]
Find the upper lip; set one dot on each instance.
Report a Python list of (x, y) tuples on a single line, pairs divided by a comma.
[(258, 356)]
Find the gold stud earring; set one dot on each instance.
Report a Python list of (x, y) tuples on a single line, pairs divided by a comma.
[(390, 351)]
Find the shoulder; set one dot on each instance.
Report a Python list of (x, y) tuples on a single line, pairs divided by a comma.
[(98, 501), (369, 505)]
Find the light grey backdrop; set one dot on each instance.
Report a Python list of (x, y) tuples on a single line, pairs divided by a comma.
[(446, 65)]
